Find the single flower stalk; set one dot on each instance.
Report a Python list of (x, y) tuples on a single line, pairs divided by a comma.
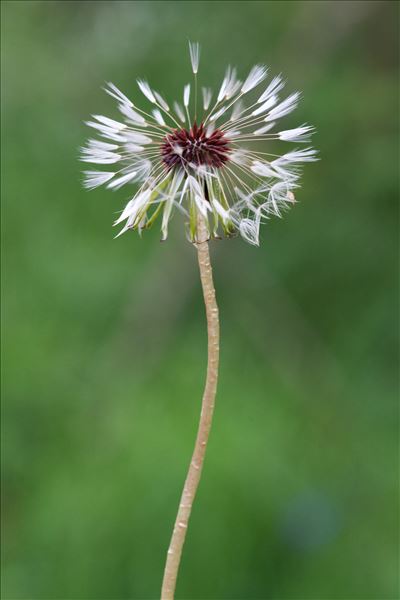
[(201, 158)]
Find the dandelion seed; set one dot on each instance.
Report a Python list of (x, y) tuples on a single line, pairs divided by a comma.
[(186, 95), (194, 49), (146, 90), (95, 178), (207, 95)]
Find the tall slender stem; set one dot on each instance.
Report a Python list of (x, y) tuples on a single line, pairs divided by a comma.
[(207, 409)]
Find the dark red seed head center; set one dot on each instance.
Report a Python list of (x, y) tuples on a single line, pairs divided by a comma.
[(197, 147)]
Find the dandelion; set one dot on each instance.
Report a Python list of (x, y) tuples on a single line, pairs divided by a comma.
[(201, 158)]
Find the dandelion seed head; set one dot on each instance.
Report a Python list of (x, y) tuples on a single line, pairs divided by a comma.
[(224, 163)]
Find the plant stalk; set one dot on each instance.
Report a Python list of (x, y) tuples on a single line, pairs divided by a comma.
[(207, 409)]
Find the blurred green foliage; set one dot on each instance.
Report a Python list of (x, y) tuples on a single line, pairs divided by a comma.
[(104, 343)]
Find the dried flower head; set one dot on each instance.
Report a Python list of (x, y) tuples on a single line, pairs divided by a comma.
[(201, 159)]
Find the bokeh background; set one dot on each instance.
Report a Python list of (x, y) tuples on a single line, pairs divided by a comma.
[(104, 343)]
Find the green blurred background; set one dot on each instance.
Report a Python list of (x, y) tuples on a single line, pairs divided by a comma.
[(104, 344)]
